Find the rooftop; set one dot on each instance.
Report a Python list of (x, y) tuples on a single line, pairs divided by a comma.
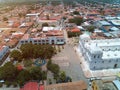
[(117, 84), (116, 22), (30, 86), (109, 48), (104, 23), (25, 37), (80, 85)]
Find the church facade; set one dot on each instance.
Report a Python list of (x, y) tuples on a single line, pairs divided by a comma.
[(100, 54)]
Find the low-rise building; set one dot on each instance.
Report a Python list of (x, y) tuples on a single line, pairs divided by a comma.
[(3, 51), (44, 37)]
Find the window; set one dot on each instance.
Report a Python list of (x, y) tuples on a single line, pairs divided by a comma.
[(95, 62), (61, 40), (22, 41), (30, 41), (110, 61), (47, 40), (98, 56), (43, 40), (117, 60), (35, 41), (94, 56), (102, 61)]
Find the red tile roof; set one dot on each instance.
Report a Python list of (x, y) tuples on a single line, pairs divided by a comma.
[(75, 30), (16, 24), (42, 87), (25, 37), (19, 67), (30, 86)]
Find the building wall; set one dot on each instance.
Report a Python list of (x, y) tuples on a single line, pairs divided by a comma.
[(4, 51), (50, 40), (95, 60)]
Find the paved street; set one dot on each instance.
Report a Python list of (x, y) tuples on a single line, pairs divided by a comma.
[(70, 63)]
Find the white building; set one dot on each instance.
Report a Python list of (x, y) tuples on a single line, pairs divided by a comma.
[(100, 54), (59, 40), (3, 51)]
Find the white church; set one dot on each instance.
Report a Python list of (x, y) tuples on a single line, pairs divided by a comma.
[(100, 54)]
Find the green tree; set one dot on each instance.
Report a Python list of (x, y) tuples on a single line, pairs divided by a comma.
[(23, 77), (28, 62), (8, 71), (16, 55), (36, 73), (27, 50), (37, 51), (45, 24), (44, 75), (55, 68), (49, 51), (49, 64), (76, 12), (76, 20), (64, 18), (5, 19), (62, 76), (50, 81), (73, 34), (71, 20), (91, 29)]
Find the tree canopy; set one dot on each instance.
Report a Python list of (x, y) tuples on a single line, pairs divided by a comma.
[(91, 29), (16, 55), (76, 12), (76, 20), (8, 72), (45, 24), (36, 73), (37, 51), (62, 76), (73, 34)]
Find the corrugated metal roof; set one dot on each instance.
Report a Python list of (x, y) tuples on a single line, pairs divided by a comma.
[(117, 84)]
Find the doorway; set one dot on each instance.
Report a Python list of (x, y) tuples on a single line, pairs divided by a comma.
[(115, 66)]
